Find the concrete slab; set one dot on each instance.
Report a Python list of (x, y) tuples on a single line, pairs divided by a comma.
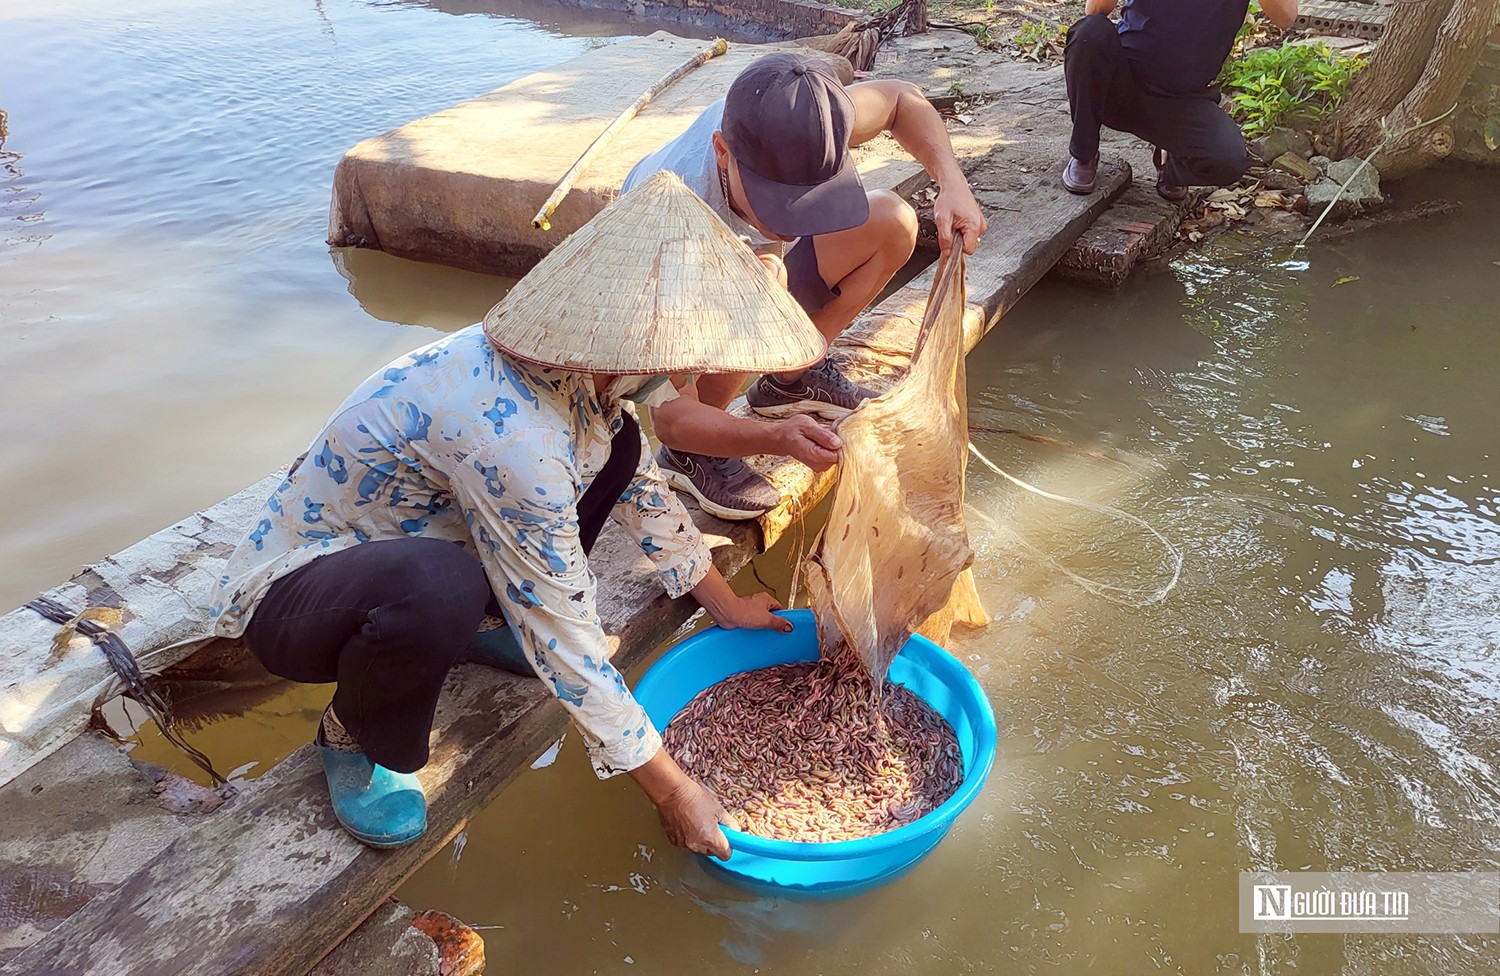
[(460, 187), (940, 62)]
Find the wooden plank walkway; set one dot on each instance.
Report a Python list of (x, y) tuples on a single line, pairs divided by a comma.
[(269, 883)]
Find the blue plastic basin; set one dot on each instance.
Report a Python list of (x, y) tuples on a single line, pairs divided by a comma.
[(840, 867)]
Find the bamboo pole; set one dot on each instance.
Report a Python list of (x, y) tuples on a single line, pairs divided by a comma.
[(541, 221)]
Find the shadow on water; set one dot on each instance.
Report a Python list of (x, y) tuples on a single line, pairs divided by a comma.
[(397, 290)]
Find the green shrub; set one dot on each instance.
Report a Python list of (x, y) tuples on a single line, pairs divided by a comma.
[(1295, 83)]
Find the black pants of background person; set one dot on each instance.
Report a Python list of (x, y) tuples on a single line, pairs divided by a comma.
[(388, 619), (1204, 146)]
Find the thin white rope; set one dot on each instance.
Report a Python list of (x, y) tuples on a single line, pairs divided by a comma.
[(1124, 595)]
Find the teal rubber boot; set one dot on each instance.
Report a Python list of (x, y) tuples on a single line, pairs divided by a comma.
[(380, 807), (497, 647)]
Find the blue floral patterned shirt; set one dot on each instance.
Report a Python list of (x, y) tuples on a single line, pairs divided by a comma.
[(458, 441)]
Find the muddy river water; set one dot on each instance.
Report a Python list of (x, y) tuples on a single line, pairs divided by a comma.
[(1317, 436)]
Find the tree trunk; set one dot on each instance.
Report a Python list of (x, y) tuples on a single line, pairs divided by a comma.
[(1394, 68), (1417, 73), (916, 18)]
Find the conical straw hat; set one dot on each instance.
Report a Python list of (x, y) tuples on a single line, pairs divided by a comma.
[(656, 283)]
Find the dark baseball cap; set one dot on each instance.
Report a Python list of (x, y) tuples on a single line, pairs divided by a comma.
[(787, 120)]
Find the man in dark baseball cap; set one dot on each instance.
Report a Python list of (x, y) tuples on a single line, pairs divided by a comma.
[(788, 122), (774, 160)]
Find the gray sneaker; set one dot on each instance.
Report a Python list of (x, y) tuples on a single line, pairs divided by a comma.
[(726, 487), (821, 390)]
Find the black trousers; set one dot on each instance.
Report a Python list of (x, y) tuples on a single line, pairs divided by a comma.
[(387, 619), (1204, 145)]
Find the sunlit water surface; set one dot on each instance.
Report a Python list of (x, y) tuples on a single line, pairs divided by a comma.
[(172, 326), (1316, 437)]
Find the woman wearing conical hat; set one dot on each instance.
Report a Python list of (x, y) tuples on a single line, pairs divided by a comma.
[(466, 482)]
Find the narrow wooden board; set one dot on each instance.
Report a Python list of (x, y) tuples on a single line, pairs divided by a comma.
[(62, 846), (155, 593)]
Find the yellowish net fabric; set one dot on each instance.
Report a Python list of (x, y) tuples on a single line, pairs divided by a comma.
[(886, 563)]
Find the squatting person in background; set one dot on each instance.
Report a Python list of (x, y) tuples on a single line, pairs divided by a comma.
[(1153, 76), (473, 475), (773, 160)]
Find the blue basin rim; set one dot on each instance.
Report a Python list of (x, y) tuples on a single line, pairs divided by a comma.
[(937, 661)]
